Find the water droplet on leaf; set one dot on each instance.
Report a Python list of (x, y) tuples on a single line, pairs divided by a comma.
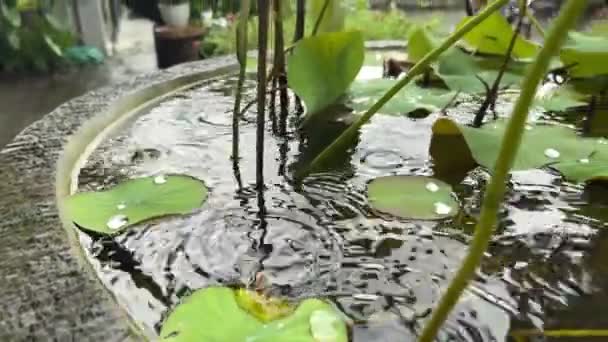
[(442, 208), (584, 161), (432, 187), (121, 206), (117, 221), (552, 153), (160, 180), (323, 325)]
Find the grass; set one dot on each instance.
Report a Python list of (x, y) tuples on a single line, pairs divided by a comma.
[(391, 25)]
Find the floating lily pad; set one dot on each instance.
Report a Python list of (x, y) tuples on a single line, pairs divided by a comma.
[(213, 314), (493, 36), (541, 145), (412, 197), (134, 201), (593, 168), (409, 99), (321, 68), (586, 54)]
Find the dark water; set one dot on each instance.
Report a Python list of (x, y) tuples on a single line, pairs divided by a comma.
[(546, 268)]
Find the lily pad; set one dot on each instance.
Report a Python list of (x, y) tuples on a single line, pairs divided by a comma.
[(213, 314), (542, 144), (586, 54), (134, 201), (593, 168), (409, 99), (321, 68), (412, 197), (493, 36)]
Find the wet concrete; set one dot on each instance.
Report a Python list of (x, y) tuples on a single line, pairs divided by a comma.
[(25, 99)]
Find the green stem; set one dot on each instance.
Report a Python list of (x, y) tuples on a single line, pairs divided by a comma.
[(495, 192), (536, 23), (345, 139), (241, 48), (320, 17)]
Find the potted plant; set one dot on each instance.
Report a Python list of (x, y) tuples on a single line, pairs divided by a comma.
[(175, 12)]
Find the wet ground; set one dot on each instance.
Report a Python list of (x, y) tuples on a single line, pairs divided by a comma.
[(320, 237)]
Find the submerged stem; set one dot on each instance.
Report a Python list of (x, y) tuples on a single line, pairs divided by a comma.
[(279, 61), (344, 140), (320, 17), (508, 150), (263, 8)]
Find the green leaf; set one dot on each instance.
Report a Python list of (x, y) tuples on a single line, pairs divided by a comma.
[(14, 40), (53, 46), (587, 54), (334, 17), (412, 197), (493, 35), (134, 201), (321, 68), (541, 144), (593, 168), (213, 315), (12, 15), (409, 99), (459, 70)]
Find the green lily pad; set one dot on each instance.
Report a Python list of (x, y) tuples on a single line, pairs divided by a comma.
[(542, 144), (213, 314), (321, 68), (409, 99), (592, 168), (587, 54), (134, 201), (493, 36), (412, 197)]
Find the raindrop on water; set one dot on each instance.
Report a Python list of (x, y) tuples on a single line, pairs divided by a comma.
[(160, 180), (117, 221), (432, 187), (552, 153), (442, 208), (365, 297)]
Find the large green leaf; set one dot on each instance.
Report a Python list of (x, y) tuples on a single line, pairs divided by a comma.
[(493, 36), (459, 70), (409, 99), (413, 197), (593, 168), (586, 54), (134, 201), (321, 68), (214, 315), (541, 145), (12, 15)]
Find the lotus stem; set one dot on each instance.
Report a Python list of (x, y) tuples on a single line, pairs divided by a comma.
[(345, 139), (263, 24), (508, 151), (315, 29)]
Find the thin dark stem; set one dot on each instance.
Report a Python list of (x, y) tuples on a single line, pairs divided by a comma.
[(279, 59), (492, 95), (320, 17), (591, 111), (263, 8), (299, 34)]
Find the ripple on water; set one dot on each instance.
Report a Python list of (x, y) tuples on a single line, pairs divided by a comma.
[(320, 238)]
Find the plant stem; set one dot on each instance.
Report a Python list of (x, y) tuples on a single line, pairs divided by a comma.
[(561, 333), (492, 94), (299, 34), (263, 23), (536, 23), (241, 38), (279, 60), (320, 17), (345, 139), (495, 192)]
